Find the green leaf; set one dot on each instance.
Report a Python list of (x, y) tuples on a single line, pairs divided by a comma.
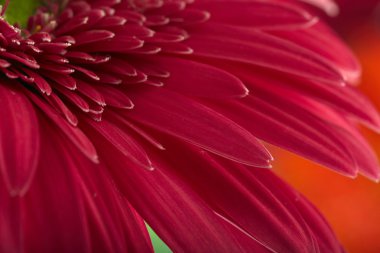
[(19, 11), (158, 245)]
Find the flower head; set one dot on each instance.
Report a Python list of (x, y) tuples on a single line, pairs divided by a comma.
[(117, 112)]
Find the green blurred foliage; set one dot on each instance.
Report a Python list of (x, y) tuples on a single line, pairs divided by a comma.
[(19, 11), (158, 244)]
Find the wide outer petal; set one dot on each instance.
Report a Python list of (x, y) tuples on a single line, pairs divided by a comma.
[(195, 123), (198, 79), (10, 222), (172, 209), (19, 139), (248, 204), (256, 14), (53, 213)]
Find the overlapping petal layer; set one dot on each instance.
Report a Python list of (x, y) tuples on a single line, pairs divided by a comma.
[(119, 112)]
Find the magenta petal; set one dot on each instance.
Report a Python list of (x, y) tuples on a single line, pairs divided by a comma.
[(114, 225), (199, 125), (19, 139), (10, 220), (262, 49), (201, 79), (284, 130), (337, 53), (171, 208), (256, 14), (241, 198), (92, 36), (54, 218), (91, 92), (56, 102), (115, 98), (159, 89), (363, 154), (74, 134), (40, 82), (150, 139), (123, 142), (298, 205), (346, 99)]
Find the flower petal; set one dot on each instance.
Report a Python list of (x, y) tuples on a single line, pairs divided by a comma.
[(122, 141), (19, 139), (262, 49), (201, 80), (10, 220), (256, 14), (285, 130), (55, 218), (179, 217), (238, 195), (186, 119), (74, 134), (337, 53), (114, 225)]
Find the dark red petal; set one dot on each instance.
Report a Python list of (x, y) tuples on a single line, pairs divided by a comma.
[(336, 52), (271, 14), (119, 44), (363, 154), (248, 204), (122, 141), (74, 134), (321, 230), (262, 49), (76, 99), (305, 137), (92, 36), (114, 225), (54, 218), (197, 124), (63, 80), (179, 217), (91, 92), (10, 220), (115, 97), (40, 82), (201, 79), (346, 99), (140, 131), (61, 107), (19, 139)]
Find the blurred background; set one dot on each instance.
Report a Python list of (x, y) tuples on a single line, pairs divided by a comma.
[(351, 206)]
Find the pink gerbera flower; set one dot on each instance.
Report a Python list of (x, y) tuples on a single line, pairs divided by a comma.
[(120, 112)]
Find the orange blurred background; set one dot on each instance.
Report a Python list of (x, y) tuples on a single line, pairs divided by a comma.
[(351, 206)]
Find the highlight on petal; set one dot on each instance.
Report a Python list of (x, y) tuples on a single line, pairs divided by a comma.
[(329, 6)]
